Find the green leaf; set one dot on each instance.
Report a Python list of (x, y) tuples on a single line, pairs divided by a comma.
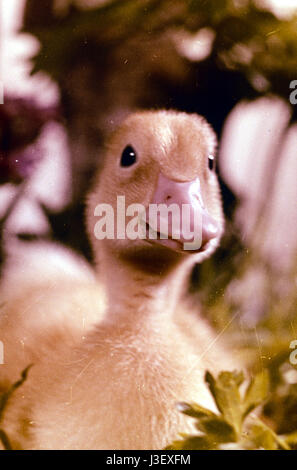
[(217, 429), (6, 395), (230, 428), (194, 410), (291, 439), (264, 437), (225, 391), (193, 443), (257, 392)]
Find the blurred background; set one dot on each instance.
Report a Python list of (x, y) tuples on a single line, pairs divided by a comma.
[(72, 69)]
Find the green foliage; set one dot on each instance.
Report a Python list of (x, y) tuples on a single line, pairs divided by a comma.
[(262, 347), (248, 39), (4, 397), (235, 426)]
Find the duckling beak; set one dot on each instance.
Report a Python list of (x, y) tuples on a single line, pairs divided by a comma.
[(200, 224)]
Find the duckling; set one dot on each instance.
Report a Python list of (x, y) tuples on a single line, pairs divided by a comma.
[(113, 383)]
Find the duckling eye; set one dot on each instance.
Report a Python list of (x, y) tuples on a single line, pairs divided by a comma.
[(211, 162), (128, 156)]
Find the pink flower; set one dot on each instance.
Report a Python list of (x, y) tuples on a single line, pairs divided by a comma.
[(21, 121)]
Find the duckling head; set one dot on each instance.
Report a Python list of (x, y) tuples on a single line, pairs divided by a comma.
[(153, 158)]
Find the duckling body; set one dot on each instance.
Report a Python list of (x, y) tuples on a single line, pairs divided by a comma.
[(116, 388), (111, 380)]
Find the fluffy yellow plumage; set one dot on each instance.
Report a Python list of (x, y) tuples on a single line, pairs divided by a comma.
[(108, 374)]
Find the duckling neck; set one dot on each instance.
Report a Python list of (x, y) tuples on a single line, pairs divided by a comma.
[(137, 293)]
